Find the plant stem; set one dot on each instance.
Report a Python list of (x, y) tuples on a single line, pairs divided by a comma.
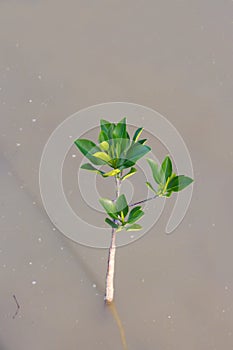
[(143, 201), (109, 289)]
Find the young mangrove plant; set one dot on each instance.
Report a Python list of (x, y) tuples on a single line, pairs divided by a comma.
[(117, 151)]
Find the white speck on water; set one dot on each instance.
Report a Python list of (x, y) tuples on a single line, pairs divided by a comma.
[(20, 129), (54, 229), (46, 307), (169, 316), (30, 101), (142, 280), (34, 203), (189, 225), (73, 155), (34, 282), (17, 45), (40, 239), (94, 285), (33, 120), (153, 321), (13, 269), (18, 144), (132, 236), (62, 248), (226, 288), (213, 224), (70, 136), (39, 77), (30, 263), (4, 265), (22, 186)]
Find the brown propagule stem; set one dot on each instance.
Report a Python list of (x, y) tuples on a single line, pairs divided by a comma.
[(109, 289)]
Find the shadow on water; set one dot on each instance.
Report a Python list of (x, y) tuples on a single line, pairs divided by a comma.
[(116, 316)]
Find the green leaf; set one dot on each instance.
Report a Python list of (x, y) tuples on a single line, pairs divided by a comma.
[(136, 151), (150, 187), (130, 173), (102, 155), (105, 125), (142, 141), (134, 227), (135, 214), (112, 173), (178, 183), (120, 228), (166, 169), (88, 166), (87, 148), (102, 136), (122, 205), (109, 207), (111, 223), (120, 129), (155, 170), (137, 134), (104, 145)]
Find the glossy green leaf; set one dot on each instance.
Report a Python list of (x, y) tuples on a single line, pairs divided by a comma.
[(120, 129), (136, 151), (178, 183), (111, 223), (103, 156), (109, 207), (102, 136), (150, 187), (135, 214), (130, 173), (134, 227), (166, 169), (155, 170), (122, 205), (137, 134), (105, 125), (87, 148), (88, 166), (142, 141)]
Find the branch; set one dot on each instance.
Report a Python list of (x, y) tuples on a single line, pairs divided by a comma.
[(143, 201)]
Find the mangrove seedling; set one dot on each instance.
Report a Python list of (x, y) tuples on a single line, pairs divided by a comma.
[(117, 152)]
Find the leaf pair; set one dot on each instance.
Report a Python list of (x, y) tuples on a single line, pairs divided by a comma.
[(118, 212), (167, 181)]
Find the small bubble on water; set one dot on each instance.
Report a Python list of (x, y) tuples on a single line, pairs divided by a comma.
[(73, 155), (70, 136), (40, 239), (33, 120), (34, 282), (30, 263), (142, 280), (213, 224), (169, 316), (62, 248), (18, 144), (30, 101), (39, 77), (20, 129), (226, 288), (132, 236), (54, 229), (94, 285)]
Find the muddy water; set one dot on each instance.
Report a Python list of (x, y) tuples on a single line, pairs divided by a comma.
[(172, 292)]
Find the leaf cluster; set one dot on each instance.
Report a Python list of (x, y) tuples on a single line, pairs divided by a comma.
[(114, 148), (166, 180), (119, 215)]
